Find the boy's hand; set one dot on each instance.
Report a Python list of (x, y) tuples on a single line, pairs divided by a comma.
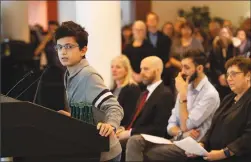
[(105, 129), (120, 129), (64, 113)]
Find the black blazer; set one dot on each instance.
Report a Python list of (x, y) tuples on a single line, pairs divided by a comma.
[(231, 127), (217, 62), (153, 119), (163, 46), (128, 98)]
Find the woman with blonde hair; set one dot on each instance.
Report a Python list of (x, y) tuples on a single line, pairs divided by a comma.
[(125, 88)]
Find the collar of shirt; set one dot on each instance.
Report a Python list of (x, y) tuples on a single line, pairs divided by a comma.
[(153, 38), (73, 70), (153, 34), (199, 86), (152, 87)]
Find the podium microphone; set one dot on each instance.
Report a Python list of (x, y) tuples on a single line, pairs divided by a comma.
[(39, 82), (25, 76), (27, 87)]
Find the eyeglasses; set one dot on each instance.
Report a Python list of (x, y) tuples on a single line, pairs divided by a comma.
[(59, 47), (233, 74)]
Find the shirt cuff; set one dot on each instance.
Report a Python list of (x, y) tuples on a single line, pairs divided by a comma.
[(130, 131)]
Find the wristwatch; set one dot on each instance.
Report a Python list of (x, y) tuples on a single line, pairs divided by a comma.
[(226, 152), (180, 135), (183, 101)]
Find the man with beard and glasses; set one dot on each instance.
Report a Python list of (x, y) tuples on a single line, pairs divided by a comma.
[(195, 106), (154, 105)]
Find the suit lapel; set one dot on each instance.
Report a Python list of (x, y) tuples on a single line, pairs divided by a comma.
[(158, 39), (151, 100)]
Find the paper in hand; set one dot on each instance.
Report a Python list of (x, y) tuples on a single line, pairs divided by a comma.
[(191, 146), (155, 139)]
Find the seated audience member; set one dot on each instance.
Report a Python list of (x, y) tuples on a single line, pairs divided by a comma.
[(229, 24), (214, 28), (229, 137), (139, 49), (154, 104), (179, 21), (192, 115), (168, 30), (244, 49), (160, 42), (180, 45), (126, 35), (246, 25), (222, 51), (125, 88)]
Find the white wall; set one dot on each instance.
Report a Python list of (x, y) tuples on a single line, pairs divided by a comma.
[(37, 12), (126, 12), (232, 10), (66, 11), (14, 19), (102, 20)]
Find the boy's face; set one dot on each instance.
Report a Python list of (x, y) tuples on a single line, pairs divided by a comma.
[(69, 53)]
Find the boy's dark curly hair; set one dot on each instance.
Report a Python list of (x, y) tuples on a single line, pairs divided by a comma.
[(71, 29)]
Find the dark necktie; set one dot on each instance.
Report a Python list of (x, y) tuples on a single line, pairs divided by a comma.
[(139, 108)]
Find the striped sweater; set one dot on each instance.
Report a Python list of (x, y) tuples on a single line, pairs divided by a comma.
[(90, 100)]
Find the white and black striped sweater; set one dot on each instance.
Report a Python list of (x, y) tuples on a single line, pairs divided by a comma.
[(84, 85)]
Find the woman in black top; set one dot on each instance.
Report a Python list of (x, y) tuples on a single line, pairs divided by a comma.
[(229, 137), (125, 88), (139, 49), (222, 51)]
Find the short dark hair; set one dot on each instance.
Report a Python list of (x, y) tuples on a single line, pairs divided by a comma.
[(187, 24), (244, 64), (71, 29), (198, 57), (152, 13), (241, 29), (168, 23), (127, 27)]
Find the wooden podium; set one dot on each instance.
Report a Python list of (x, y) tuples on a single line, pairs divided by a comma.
[(32, 133)]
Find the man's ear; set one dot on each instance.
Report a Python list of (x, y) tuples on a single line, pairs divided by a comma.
[(200, 68), (83, 51), (248, 76)]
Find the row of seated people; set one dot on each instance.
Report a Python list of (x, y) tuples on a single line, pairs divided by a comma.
[(222, 127), (147, 40)]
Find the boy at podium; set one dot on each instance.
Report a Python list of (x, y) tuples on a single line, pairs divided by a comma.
[(88, 98)]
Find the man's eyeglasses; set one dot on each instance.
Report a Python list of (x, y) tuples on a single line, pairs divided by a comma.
[(233, 74), (59, 47)]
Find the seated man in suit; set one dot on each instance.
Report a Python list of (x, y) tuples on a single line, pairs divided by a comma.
[(196, 103), (154, 105)]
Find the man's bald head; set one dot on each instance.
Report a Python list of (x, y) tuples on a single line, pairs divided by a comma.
[(151, 69), (155, 62)]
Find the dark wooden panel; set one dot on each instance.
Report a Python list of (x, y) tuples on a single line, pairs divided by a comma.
[(52, 10), (142, 8)]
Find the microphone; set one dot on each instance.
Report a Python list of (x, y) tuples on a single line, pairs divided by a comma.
[(39, 82), (27, 87), (25, 76)]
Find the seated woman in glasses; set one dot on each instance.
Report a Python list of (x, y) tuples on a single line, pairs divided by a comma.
[(229, 138), (125, 88)]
